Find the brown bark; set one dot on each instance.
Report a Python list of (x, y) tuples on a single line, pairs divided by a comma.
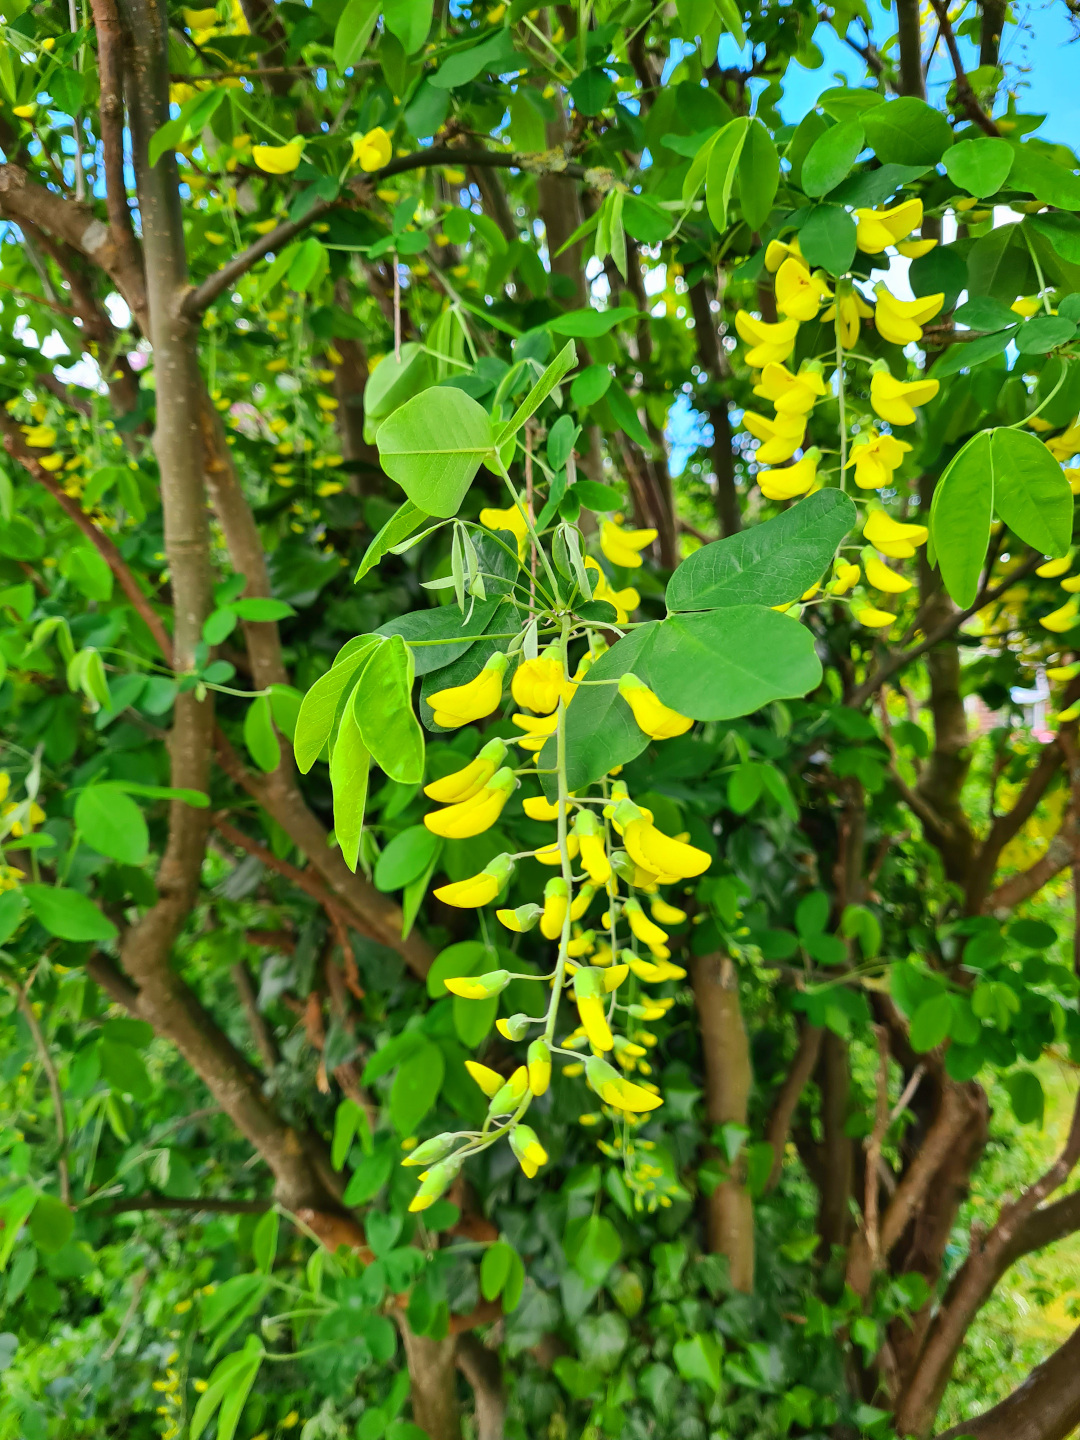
[(1045, 1407), (783, 1111), (434, 1386), (712, 362), (909, 37), (483, 1370), (837, 1151), (728, 1080)]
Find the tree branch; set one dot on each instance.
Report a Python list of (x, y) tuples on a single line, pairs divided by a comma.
[(783, 1111), (965, 94), (211, 1205), (26, 1010), (110, 37)]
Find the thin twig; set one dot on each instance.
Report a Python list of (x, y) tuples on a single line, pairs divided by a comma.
[(965, 94), (27, 1011)]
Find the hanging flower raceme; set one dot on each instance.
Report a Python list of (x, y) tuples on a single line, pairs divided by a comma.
[(657, 720), (462, 704), (794, 395), (894, 400), (893, 537), (478, 813), (538, 684), (645, 929), (901, 321), (800, 294), (875, 457), (848, 311), (793, 480), (590, 994), (373, 150), (537, 730), (615, 1090), (464, 784), (780, 438), (622, 546), (510, 519), (846, 577), (777, 251), (875, 230), (666, 859), (478, 889), (770, 342)]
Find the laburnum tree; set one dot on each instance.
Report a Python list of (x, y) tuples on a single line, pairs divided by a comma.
[(504, 933)]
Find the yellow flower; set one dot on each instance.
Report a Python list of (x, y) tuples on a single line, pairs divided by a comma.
[(537, 807), (669, 860), (539, 1058), (875, 457), (874, 619), (793, 480), (621, 546), (278, 159), (846, 577), (537, 684), (777, 251), (594, 1021), (1053, 568), (509, 519), (594, 857), (461, 704), (624, 601), (877, 229), (52, 462), (912, 249), (769, 342), (1064, 619), (665, 914), (791, 394), (373, 150), (881, 577), (556, 904), (475, 815), (894, 399), (464, 784), (520, 920), (478, 987), (1064, 446), (892, 537), (24, 112), (293, 1418), (433, 1182), (853, 309), (478, 889), (537, 729), (200, 19), (780, 437), (39, 437), (799, 295), (525, 1145), (643, 928), (901, 321), (552, 855), (657, 720), (615, 1090), (1026, 305), (582, 900)]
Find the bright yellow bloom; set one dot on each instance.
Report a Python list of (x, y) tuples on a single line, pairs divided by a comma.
[(912, 249), (464, 784), (556, 904), (892, 537), (615, 1090), (1064, 672), (665, 914), (278, 159), (537, 684), (793, 480), (792, 394), (799, 295), (520, 920), (52, 462), (475, 815), (901, 321), (591, 1010), (768, 342), (552, 855), (594, 856), (478, 987), (39, 437), (1064, 619), (881, 577), (490, 1081), (780, 438), (847, 577), (1026, 305), (621, 546), (478, 889), (874, 619), (644, 929), (1064, 446), (894, 399), (625, 601), (582, 901), (530, 1153), (853, 310), (877, 229), (669, 860), (373, 150), (1053, 568), (539, 1058), (462, 704), (657, 720), (777, 251), (509, 1096), (24, 112), (509, 519), (537, 807), (875, 457), (537, 729), (433, 1182)]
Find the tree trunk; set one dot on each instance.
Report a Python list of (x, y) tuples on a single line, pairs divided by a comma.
[(728, 1079), (434, 1384), (838, 1156), (1045, 1407)]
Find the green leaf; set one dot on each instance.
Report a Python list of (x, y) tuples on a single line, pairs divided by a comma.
[(1062, 231), (473, 1019), (563, 363), (960, 518), (626, 416), (1026, 1093), (259, 735), (350, 765), (698, 1358), (88, 572), (353, 31), (592, 1246), (51, 1224), (907, 131), (589, 385), (1043, 333), (68, 914), (759, 175), (768, 564), (369, 1177), (434, 445), (466, 65), (588, 324), (600, 498), (405, 519), (999, 265), (416, 1088), (729, 662), (112, 824), (1031, 494), (971, 353), (930, 1023), (495, 1269), (12, 909), (515, 1284), (1044, 178), (722, 168), (827, 239), (324, 702), (464, 958), (260, 608), (264, 1241), (981, 166), (382, 705), (406, 857), (410, 21), (831, 157), (15, 1211), (394, 381)]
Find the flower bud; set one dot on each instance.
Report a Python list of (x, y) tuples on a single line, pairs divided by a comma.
[(437, 1179), (510, 1096), (526, 1146), (521, 919), (430, 1151), (516, 1028), (539, 1057), (478, 987)]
